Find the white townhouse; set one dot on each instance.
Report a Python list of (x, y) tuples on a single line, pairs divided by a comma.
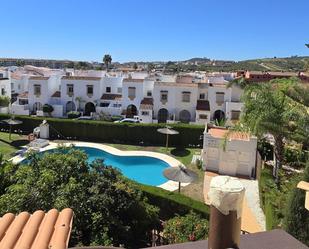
[(111, 95), (153, 98), (40, 91), (80, 93)]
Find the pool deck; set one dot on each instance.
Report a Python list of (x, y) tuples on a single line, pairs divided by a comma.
[(169, 185)]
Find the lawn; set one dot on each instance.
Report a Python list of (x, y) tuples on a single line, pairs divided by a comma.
[(8, 147)]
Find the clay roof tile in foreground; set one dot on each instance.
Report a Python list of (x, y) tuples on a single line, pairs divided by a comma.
[(38, 78), (56, 94), (111, 96), (37, 231), (23, 95), (80, 78)]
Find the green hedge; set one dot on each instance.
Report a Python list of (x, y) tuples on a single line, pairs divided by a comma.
[(189, 135), (172, 203)]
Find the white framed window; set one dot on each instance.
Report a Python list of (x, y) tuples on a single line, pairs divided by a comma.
[(145, 113), (37, 90), (203, 116), (108, 89), (186, 96), (119, 89), (202, 96), (149, 93), (164, 96), (70, 89), (131, 92), (220, 98), (235, 115), (90, 90)]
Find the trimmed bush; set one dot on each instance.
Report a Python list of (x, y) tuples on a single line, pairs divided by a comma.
[(48, 108), (172, 203), (4, 101), (100, 131), (73, 114)]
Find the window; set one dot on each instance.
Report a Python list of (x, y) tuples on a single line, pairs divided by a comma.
[(119, 90), (117, 105), (145, 113), (104, 104), (1, 75), (2, 91), (202, 96), (70, 89), (219, 98), (18, 86), (23, 102), (12, 86), (90, 90), (203, 116), (235, 115), (149, 93), (108, 89), (131, 92), (186, 96), (164, 96), (37, 90)]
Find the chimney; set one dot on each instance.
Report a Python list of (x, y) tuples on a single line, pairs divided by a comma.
[(226, 199)]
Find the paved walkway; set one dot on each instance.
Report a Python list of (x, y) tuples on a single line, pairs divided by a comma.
[(253, 219)]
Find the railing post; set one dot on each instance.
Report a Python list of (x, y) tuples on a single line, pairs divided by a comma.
[(226, 199)]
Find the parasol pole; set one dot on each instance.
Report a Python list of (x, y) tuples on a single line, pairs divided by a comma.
[(10, 132), (179, 186), (166, 142)]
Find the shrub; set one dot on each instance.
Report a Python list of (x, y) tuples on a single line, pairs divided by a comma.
[(73, 114), (4, 101), (190, 227), (295, 157), (297, 216), (172, 203), (189, 135), (48, 108)]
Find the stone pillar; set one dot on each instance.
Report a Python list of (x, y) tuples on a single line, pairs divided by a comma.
[(226, 199)]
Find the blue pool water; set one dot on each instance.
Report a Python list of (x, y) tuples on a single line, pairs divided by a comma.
[(143, 169)]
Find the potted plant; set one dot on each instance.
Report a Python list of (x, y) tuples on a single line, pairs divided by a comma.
[(48, 109)]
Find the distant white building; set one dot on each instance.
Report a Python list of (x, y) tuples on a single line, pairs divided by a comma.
[(188, 98), (229, 153)]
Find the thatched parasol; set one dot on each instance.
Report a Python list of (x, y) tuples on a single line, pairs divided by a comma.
[(180, 174), (168, 131), (12, 122)]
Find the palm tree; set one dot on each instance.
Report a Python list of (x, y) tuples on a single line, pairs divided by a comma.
[(269, 110), (107, 60)]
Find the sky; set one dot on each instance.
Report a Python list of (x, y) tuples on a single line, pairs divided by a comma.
[(153, 30)]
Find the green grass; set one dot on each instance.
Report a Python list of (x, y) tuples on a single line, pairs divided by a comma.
[(8, 147)]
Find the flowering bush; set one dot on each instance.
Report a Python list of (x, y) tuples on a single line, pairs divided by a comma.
[(181, 229)]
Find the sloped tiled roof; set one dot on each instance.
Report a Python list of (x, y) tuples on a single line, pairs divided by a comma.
[(146, 104), (110, 96), (133, 80), (37, 231), (38, 78), (80, 78), (23, 95), (235, 135), (56, 94), (202, 105)]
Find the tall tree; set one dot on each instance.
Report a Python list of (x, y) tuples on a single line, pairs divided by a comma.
[(107, 60), (268, 110)]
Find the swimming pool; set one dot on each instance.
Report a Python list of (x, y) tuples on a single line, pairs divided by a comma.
[(143, 169)]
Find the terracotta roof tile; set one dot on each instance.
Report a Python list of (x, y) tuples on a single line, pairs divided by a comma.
[(235, 135), (133, 80), (56, 94), (23, 95), (38, 78), (147, 101), (202, 105), (110, 96), (37, 231), (80, 78)]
